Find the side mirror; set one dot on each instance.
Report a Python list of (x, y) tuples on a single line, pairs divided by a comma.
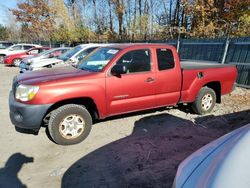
[(51, 56), (118, 70)]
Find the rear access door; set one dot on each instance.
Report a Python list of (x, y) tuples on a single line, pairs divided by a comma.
[(168, 77)]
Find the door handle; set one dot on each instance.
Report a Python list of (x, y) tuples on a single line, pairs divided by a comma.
[(150, 79)]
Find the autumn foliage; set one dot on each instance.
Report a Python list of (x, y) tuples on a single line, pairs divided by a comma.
[(107, 20)]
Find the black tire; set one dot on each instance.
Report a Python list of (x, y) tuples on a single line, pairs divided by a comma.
[(16, 62), (200, 107), (59, 115)]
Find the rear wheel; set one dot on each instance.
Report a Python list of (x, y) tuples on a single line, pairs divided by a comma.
[(205, 101), (16, 62), (70, 124)]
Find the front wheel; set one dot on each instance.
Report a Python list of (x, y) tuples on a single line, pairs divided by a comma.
[(16, 62), (69, 124), (205, 101)]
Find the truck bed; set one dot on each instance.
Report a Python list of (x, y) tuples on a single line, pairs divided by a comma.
[(196, 64)]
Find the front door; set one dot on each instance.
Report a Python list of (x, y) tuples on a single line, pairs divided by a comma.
[(135, 89)]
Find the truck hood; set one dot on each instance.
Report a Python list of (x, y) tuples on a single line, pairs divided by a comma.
[(45, 62), (227, 158), (45, 75)]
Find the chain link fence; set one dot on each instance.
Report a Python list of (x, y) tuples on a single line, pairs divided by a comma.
[(230, 51)]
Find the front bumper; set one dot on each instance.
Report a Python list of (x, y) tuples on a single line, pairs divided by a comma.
[(26, 116), (7, 61)]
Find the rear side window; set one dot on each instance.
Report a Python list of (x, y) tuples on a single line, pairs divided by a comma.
[(27, 47), (136, 61), (165, 59)]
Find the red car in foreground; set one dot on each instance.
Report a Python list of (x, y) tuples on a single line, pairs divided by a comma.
[(112, 80), (15, 59)]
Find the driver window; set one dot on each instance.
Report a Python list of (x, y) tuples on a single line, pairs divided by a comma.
[(136, 61), (17, 47), (85, 52), (82, 54)]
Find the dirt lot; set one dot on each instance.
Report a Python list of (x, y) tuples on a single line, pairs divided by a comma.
[(138, 150)]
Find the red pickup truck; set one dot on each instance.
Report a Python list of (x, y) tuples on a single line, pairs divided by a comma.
[(113, 80)]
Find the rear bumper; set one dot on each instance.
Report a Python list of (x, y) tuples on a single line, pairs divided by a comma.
[(26, 116), (234, 86)]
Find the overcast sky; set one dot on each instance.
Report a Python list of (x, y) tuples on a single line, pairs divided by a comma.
[(4, 5)]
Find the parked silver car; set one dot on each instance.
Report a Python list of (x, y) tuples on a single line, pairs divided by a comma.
[(224, 163), (53, 53), (71, 57)]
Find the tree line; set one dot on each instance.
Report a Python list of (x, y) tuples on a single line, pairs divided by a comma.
[(125, 20)]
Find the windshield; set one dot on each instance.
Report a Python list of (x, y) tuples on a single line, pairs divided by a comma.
[(97, 60), (65, 56)]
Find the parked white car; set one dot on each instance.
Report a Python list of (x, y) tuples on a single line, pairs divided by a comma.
[(224, 163), (15, 49), (71, 57)]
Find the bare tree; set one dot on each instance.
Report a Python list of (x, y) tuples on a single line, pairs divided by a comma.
[(119, 9)]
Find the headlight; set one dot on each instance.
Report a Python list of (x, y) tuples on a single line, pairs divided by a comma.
[(26, 92)]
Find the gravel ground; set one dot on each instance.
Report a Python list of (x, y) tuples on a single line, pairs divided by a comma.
[(136, 150)]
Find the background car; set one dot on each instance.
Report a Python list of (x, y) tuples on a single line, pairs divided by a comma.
[(222, 163), (15, 49), (53, 53), (5, 44), (71, 57), (15, 59)]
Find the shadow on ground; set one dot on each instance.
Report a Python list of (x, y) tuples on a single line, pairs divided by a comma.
[(149, 157), (8, 174)]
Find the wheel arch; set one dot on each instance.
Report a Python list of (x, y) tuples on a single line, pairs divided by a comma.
[(216, 86), (84, 101)]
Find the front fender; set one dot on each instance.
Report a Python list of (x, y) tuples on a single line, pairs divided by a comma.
[(56, 93)]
